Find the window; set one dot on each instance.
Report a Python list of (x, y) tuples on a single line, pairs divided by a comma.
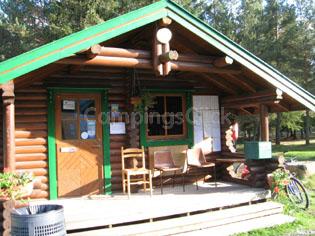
[(78, 119), (166, 118)]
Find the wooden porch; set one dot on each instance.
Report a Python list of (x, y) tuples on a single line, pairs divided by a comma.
[(86, 214)]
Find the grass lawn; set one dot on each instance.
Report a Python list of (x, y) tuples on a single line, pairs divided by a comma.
[(305, 220), (292, 149)]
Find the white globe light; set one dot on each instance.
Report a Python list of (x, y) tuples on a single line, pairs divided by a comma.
[(164, 35)]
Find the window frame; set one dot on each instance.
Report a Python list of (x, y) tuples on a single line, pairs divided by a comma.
[(169, 136)]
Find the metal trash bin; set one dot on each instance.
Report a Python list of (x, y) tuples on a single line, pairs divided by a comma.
[(38, 220)]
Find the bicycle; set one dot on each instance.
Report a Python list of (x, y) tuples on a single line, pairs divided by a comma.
[(295, 189)]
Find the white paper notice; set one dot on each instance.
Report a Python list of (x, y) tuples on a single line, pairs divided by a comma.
[(117, 128), (68, 105)]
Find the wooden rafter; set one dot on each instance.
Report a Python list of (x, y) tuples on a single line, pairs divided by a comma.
[(240, 82), (219, 83), (37, 75)]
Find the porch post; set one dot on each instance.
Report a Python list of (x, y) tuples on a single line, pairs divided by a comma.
[(264, 123), (9, 128)]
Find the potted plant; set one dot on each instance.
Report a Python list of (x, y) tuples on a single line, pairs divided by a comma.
[(143, 102), (14, 187)]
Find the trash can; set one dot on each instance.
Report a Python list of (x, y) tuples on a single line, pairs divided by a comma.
[(38, 220)]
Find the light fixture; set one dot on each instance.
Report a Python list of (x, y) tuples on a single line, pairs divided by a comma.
[(164, 35), (279, 94)]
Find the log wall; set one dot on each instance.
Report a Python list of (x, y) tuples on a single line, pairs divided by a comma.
[(31, 116), (31, 135)]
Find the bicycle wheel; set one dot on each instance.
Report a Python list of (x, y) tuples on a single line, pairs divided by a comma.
[(297, 193)]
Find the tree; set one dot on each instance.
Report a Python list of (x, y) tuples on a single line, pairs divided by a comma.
[(219, 14), (249, 25), (23, 26), (305, 56)]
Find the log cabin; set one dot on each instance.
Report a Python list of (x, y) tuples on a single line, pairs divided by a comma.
[(69, 106)]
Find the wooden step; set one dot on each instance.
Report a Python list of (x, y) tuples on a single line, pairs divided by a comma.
[(194, 222), (243, 226)]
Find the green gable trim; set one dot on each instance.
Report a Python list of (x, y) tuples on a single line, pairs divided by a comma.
[(81, 40), (52, 157), (240, 54), (189, 140)]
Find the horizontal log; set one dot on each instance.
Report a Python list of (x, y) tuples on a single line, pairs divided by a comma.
[(31, 90), (31, 149), (121, 97), (109, 61), (30, 112), (223, 61), (168, 56), (201, 67), (120, 52), (43, 179), (33, 104), (40, 186), (30, 157), (116, 166), (31, 164), (30, 134), (30, 119), (118, 138), (30, 126), (30, 142), (249, 97), (144, 64), (36, 172), (37, 194), (30, 97)]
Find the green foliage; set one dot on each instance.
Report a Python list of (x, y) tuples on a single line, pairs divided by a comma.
[(11, 184), (280, 179), (146, 101)]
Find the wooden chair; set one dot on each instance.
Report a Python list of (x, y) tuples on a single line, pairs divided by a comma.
[(133, 166), (196, 159), (163, 162)]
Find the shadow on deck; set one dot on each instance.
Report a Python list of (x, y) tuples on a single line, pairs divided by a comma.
[(116, 210)]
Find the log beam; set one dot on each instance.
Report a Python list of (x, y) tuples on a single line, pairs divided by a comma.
[(214, 61), (169, 56), (201, 68), (146, 64), (108, 61), (264, 94), (264, 123), (9, 120), (223, 61), (165, 21), (119, 52)]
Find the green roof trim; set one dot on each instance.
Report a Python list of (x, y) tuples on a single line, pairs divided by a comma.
[(73, 43)]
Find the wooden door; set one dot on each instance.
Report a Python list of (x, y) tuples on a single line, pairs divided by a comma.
[(79, 144)]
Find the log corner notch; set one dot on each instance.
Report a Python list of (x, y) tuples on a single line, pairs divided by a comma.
[(8, 98), (161, 53)]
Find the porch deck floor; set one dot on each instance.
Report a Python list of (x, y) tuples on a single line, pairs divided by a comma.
[(102, 210)]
